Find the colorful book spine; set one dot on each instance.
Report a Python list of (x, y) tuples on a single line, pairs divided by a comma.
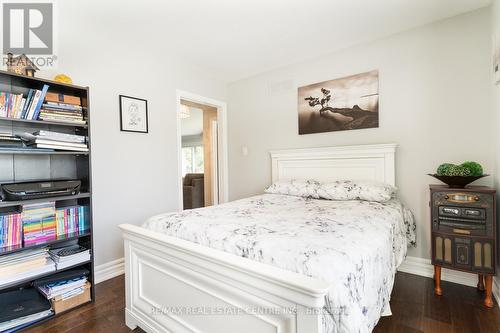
[(22, 107), (70, 220), (40, 101), (10, 230), (39, 223)]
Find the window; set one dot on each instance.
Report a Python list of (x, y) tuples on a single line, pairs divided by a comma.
[(192, 160)]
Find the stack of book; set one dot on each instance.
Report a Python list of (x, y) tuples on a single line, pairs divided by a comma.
[(65, 289), (21, 308), (39, 222), (8, 140), (66, 109), (71, 220), (11, 230), (25, 264), (19, 107), (69, 256), (55, 140)]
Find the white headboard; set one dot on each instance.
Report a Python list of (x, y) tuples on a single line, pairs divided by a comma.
[(365, 162)]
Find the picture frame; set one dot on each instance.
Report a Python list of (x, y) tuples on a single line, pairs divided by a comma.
[(133, 114), (345, 103)]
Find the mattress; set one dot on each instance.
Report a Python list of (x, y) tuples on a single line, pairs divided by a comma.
[(356, 246)]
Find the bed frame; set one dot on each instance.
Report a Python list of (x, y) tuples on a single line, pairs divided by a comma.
[(174, 285)]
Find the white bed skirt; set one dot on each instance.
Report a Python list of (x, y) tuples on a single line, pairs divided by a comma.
[(174, 285)]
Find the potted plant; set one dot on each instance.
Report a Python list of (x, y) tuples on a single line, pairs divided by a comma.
[(459, 176)]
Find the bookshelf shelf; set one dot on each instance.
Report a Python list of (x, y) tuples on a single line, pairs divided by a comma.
[(18, 165), (43, 122), (57, 239), (35, 151), (60, 198), (39, 276)]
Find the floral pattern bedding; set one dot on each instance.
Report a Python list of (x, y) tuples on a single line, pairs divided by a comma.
[(354, 245)]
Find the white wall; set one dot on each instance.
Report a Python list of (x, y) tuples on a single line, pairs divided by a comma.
[(434, 102), (495, 29), (134, 175)]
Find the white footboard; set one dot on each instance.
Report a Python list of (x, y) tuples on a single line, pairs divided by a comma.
[(178, 286)]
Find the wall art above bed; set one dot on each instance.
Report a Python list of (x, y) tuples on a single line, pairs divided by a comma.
[(341, 104)]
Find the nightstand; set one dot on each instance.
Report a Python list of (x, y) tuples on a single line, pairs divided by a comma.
[(463, 236)]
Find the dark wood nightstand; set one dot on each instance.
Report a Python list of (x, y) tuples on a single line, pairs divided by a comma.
[(463, 224)]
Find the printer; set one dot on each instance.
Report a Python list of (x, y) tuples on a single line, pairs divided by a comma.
[(39, 189)]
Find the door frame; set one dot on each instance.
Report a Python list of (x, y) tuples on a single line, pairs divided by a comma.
[(222, 142)]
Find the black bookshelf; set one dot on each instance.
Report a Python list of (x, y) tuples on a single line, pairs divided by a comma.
[(57, 239), (28, 165), (44, 122)]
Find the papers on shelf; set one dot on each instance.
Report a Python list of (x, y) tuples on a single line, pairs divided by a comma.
[(69, 256), (23, 265), (18, 323)]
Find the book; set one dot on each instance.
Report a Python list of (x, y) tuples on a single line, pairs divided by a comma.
[(69, 256), (62, 106), (41, 141), (34, 102), (11, 230), (27, 104), (61, 98), (40, 101), (39, 222), (63, 121), (58, 147), (53, 290), (54, 140), (60, 136), (3, 112), (62, 282), (73, 113), (25, 264), (7, 104), (71, 220), (21, 107)]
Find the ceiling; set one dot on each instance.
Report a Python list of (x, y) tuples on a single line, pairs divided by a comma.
[(193, 125), (235, 39)]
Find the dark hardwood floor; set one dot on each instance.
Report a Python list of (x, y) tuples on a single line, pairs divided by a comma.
[(414, 307)]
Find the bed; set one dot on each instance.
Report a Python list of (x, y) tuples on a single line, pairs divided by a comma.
[(273, 263)]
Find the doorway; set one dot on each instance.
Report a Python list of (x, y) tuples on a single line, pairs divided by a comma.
[(202, 151)]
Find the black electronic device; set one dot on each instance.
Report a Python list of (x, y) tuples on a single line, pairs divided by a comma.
[(40, 189)]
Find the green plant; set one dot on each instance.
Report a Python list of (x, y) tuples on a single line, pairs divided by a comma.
[(458, 170), (445, 169), (475, 168)]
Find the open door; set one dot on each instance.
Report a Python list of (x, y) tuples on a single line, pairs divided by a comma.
[(210, 145), (200, 155)]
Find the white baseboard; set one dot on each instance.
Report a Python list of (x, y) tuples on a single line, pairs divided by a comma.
[(109, 270), (423, 267), (413, 265)]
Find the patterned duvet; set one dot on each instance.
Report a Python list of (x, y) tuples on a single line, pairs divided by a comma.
[(354, 245)]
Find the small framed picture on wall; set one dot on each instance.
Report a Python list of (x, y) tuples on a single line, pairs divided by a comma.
[(133, 114)]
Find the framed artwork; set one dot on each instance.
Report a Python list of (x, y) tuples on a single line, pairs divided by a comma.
[(341, 104), (133, 114)]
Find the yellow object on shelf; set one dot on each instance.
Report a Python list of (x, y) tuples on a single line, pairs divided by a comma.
[(63, 79)]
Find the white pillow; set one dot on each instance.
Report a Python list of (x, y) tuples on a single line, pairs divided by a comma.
[(356, 190), (299, 188)]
